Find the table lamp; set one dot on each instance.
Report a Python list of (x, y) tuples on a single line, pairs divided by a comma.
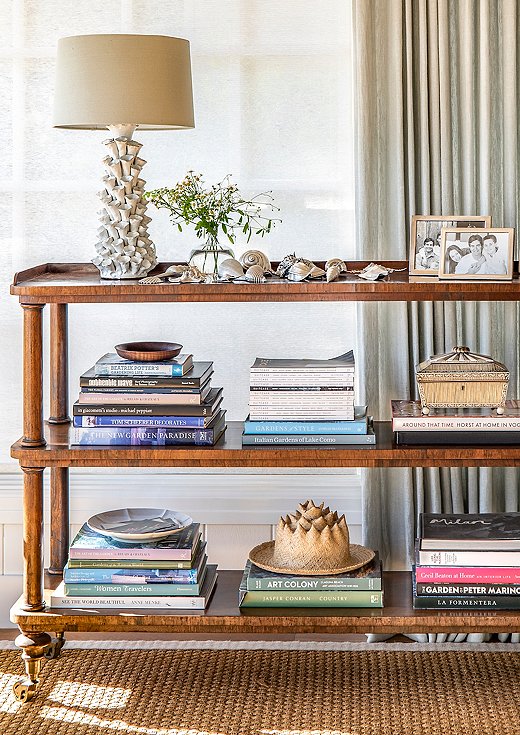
[(122, 82)]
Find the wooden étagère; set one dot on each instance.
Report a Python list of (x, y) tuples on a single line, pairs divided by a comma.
[(46, 445)]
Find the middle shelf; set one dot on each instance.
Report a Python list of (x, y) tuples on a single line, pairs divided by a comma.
[(228, 452)]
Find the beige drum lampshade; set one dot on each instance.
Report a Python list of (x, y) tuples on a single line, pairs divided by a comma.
[(106, 79)]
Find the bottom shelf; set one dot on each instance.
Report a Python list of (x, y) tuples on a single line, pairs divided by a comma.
[(224, 616)]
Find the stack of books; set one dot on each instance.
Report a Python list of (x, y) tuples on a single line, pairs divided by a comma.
[(123, 402), (467, 561), (170, 573), (455, 425), (305, 402), (359, 588)]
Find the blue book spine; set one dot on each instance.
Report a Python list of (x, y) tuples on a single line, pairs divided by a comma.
[(128, 576), (179, 422), (141, 436), (306, 427)]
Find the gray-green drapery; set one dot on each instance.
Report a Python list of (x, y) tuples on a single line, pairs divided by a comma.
[(436, 121)]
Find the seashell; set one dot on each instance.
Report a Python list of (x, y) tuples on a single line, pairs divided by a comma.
[(255, 274), (338, 262), (255, 257), (230, 269), (316, 272), (209, 278), (285, 264), (333, 272), (299, 271)]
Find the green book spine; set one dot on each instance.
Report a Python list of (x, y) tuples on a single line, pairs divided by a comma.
[(128, 564), (131, 590), (299, 598)]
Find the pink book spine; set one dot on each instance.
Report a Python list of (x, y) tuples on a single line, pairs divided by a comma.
[(489, 575)]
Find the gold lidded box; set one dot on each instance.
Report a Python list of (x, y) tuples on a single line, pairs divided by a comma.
[(462, 379)]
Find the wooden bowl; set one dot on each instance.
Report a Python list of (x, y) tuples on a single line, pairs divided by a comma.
[(148, 351)]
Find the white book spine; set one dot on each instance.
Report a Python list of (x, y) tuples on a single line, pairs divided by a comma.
[(469, 558), (164, 603)]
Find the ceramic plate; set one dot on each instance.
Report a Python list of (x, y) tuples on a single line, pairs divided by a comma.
[(139, 524)]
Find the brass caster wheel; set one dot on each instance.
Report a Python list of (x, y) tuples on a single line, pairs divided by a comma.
[(24, 691), (54, 650)]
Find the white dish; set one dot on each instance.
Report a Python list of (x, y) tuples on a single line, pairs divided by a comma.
[(139, 524)]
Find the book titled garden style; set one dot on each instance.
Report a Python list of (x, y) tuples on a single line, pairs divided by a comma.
[(89, 544)]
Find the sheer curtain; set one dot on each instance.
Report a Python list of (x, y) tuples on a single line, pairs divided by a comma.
[(436, 133), (272, 95)]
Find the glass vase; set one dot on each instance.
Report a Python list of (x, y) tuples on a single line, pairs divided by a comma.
[(208, 257)]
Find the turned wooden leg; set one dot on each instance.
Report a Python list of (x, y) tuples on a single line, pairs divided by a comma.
[(59, 365), (59, 537), (34, 646), (32, 376), (33, 539)]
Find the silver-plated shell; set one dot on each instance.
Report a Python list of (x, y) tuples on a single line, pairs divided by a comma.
[(336, 261), (255, 257), (255, 274), (230, 269)]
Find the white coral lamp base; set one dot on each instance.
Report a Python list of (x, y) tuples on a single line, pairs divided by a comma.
[(124, 249)]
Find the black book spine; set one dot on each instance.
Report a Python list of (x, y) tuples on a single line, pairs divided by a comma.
[(468, 602), (459, 438), (473, 590)]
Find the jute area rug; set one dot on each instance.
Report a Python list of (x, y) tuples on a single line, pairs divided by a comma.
[(192, 688)]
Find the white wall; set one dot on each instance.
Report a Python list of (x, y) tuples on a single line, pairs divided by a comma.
[(272, 96)]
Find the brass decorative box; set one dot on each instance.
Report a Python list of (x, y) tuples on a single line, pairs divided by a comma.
[(462, 379)]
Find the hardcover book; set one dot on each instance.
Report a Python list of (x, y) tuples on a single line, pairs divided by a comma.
[(137, 575), (457, 438), (368, 577), (155, 436), (464, 603), (480, 531), (184, 397), (59, 599), (91, 545), (208, 407), (320, 439), (458, 590), (468, 558), (194, 378), (358, 426), (152, 589), (112, 364), (469, 575), (407, 416), (342, 363)]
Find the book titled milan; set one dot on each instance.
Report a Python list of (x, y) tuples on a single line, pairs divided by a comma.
[(479, 531)]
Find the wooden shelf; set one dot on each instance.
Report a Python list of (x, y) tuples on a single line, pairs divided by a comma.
[(228, 452), (224, 616), (80, 283)]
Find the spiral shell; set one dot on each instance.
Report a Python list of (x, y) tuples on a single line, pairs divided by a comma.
[(299, 271), (255, 257), (333, 272), (255, 274), (285, 264), (316, 272)]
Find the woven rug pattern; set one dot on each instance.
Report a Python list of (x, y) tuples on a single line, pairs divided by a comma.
[(267, 692)]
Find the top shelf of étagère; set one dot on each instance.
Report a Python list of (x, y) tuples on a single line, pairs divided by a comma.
[(80, 283)]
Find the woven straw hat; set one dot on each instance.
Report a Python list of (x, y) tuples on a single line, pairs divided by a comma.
[(313, 541)]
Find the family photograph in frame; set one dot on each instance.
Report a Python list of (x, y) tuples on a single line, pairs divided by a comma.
[(425, 240), (478, 254)]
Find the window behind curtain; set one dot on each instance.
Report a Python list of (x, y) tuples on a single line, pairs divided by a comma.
[(272, 94)]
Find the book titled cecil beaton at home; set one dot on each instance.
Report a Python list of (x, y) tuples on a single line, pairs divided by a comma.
[(469, 575), (59, 598), (112, 364), (89, 544), (479, 531)]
